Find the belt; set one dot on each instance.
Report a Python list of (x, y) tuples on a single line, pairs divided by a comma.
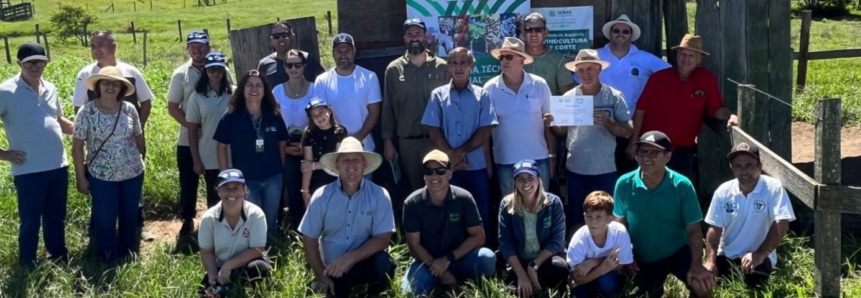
[(418, 137)]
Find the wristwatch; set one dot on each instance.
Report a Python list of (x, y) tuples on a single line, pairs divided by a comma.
[(533, 265), (450, 257)]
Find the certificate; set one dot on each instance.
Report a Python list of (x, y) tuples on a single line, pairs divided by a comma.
[(571, 110)]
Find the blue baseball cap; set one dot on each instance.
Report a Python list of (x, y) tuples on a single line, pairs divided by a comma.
[(199, 36), (230, 175), (313, 103), (214, 59), (343, 38), (526, 166), (414, 22)]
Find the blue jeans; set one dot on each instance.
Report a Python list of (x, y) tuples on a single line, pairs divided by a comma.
[(505, 174), (579, 187), (42, 200), (115, 201), (476, 183), (477, 264), (607, 285), (266, 194)]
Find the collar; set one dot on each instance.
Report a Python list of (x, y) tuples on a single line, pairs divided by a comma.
[(638, 182), (527, 80), (341, 189), (735, 190), (449, 196), (468, 87), (242, 215), (19, 79), (406, 57)]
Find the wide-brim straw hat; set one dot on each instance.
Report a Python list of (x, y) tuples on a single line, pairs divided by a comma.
[(586, 56), (110, 73), (514, 46), (691, 42), (623, 19), (350, 145)]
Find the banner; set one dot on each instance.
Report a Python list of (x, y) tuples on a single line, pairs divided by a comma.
[(479, 25), (570, 28)]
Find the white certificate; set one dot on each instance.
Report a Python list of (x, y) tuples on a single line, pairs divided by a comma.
[(571, 110)]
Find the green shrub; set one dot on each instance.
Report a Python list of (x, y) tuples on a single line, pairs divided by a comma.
[(72, 21)]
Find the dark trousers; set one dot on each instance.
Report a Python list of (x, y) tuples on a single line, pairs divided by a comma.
[(292, 177), (210, 177), (115, 210), (253, 272), (476, 182), (188, 183), (42, 201), (650, 279), (553, 273), (682, 162), (374, 271), (731, 267), (624, 164), (606, 285), (579, 187)]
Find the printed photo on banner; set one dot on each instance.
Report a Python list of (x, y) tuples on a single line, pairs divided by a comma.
[(570, 28)]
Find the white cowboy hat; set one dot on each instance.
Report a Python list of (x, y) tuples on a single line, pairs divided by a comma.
[(350, 145), (586, 56), (623, 19), (110, 73), (515, 46)]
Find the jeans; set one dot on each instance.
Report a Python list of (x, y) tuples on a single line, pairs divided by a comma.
[(479, 263), (476, 183), (607, 285), (266, 194), (292, 182), (42, 201), (188, 183), (115, 201), (375, 271), (505, 174), (579, 187)]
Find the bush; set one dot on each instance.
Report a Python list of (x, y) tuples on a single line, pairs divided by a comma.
[(72, 21), (823, 8)]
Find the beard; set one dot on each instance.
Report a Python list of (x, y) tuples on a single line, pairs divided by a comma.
[(416, 47)]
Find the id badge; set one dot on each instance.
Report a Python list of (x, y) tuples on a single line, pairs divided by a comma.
[(259, 145)]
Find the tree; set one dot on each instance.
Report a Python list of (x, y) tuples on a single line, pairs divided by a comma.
[(72, 21)]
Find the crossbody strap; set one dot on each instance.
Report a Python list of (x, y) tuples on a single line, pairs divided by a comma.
[(99, 150)]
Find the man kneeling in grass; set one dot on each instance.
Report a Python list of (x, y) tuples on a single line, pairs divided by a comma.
[(748, 217), (232, 235)]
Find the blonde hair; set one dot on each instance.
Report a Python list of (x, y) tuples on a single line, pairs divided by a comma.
[(515, 200)]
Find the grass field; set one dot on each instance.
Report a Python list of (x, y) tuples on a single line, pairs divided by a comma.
[(170, 269)]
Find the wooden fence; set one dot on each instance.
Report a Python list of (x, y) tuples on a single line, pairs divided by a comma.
[(822, 193), (251, 44)]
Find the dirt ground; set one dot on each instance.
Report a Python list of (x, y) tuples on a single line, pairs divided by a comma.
[(803, 135)]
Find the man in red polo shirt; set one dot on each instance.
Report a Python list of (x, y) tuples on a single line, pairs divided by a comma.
[(676, 100)]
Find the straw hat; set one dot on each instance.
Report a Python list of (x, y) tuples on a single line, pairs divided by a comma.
[(350, 145), (512, 45), (623, 19), (110, 73), (691, 42), (586, 56)]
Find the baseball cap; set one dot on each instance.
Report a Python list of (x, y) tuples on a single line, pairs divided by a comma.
[(414, 22), (214, 59), (313, 103), (343, 38), (743, 148), (31, 51), (657, 139), (437, 156), (535, 17), (230, 175), (198, 37), (526, 166)]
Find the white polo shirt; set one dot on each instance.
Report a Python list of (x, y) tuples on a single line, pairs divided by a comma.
[(350, 97), (746, 220), (629, 74), (131, 73), (520, 133), (215, 233)]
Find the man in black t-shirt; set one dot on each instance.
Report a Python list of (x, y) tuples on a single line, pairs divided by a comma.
[(272, 66), (444, 232)]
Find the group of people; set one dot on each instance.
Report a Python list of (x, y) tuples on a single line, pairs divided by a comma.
[(291, 129)]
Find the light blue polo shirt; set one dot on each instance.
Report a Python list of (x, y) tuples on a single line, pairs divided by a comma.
[(31, 124), (629, 74), (342, 223), (459, 115)]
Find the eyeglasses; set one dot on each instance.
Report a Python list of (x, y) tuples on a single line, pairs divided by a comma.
[(649, 153), (508, 57), (280, 35), (431, 171), (534, 29), (109, 83), (623, 32), (293, 65), (31, 64)]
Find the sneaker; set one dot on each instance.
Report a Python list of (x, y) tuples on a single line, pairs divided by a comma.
[(147, 236)]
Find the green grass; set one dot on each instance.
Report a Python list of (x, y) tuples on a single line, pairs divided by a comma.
[(170, 269)]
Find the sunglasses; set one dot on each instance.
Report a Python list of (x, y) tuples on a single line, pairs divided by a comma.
[(431, 171), (280, 35), (649, 153), (535, 30), (293, 65), (623, 32), (508, 57)]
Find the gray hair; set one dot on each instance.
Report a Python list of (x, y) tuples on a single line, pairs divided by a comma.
[(469, 55), (104, 33)]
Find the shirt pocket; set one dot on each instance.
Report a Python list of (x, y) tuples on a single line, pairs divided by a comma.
[(534, 105)]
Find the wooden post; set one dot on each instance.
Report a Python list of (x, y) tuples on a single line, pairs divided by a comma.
[(826, 170), (277, 19), (135, 5), (150, 5), (228, 27), (753, 113), (676, 16), (329, 18), (179, 27), (804, 49), (47, 45), (113, 8), (134, 33), (144, 48), (38, 34), (6, 46)]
